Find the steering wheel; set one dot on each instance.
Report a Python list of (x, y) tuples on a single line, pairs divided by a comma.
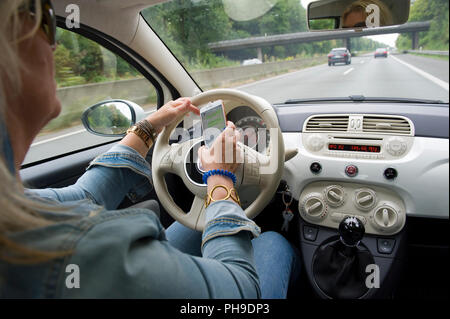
[(256, 169)]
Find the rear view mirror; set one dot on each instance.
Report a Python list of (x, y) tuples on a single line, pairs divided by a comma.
[(356, 14), (111, 118)]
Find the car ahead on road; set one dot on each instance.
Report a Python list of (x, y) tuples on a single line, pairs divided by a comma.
[(339, 55), (361, 159), (381, 52)]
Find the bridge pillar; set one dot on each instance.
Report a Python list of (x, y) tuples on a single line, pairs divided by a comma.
[(348, 44), (415, 40), (259, 53)]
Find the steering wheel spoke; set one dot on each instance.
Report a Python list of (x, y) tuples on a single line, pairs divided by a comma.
[(253, 165), (197, 213)]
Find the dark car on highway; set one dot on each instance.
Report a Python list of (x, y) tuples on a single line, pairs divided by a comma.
[(381, 52), (339, 55)]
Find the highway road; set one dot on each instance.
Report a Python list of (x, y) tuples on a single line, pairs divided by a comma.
[(402, 76), (405, 76)]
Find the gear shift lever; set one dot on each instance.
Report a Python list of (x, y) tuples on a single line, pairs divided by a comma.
[(339, 264), (352, 231)]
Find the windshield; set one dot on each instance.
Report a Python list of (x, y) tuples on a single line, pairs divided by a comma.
[(249, 45)]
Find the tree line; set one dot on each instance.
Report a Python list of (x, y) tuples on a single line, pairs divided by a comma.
[(181, 24), (436, 38)]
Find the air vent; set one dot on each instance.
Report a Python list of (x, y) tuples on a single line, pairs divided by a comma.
[(389, 125), (327, 124)]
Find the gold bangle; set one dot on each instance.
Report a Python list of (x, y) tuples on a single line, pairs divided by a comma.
[(141, 133), (230, 191)]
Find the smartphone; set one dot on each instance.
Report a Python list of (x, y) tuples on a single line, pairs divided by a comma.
[(213, 121)]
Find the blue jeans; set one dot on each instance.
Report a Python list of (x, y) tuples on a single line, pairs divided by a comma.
[(276, 261)]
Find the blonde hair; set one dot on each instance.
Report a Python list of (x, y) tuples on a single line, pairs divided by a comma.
[(361, 5), (18, 212)]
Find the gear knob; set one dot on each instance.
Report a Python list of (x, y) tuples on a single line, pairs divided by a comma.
[(351, 230)]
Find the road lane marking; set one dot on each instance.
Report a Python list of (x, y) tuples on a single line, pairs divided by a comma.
[(348, 71), (278, 77), (426, 75), (58, 137)]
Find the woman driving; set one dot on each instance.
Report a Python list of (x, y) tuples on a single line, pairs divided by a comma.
[(45, 234)]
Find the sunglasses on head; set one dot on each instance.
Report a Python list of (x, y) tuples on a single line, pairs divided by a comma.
[(48, 21)]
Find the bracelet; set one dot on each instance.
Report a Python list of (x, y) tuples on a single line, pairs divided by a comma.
[(219, 172), (141, 133), (148, 128), (231, 193)]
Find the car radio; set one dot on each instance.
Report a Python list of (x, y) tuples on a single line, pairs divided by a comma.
[(358, 136)]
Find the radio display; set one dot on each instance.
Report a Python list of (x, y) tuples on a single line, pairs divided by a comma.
[(355, 148)]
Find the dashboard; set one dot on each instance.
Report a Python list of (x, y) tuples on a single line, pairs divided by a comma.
[(376, 161), (368, 162), (252, 126)]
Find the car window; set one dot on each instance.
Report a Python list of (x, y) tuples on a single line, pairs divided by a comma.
[(86, 74)]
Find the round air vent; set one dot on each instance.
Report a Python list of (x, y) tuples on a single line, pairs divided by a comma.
[(365, 199), (335, 195)]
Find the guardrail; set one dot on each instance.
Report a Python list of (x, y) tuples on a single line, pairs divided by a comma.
[(230, 76), (142, 92), (429, 52), (75, 99)]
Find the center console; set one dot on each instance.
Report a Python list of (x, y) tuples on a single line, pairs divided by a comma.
[(351, 224), (346, 263)]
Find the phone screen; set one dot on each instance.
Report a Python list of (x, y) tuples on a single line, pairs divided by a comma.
[(213, 121)]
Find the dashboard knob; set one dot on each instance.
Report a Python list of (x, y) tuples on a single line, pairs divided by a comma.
[(365, 198), (315, 142), (385, 217), (335, 195), (396, 146), (313, 207)]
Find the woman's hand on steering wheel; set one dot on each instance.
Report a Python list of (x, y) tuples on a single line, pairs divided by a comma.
[(167, 114)]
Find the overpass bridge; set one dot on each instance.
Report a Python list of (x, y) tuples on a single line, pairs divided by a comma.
[(303, 37)]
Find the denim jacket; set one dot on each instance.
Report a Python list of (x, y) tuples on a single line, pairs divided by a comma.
[(125, 253)]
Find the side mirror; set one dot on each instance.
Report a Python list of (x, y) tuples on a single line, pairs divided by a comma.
[(111, 118), (356, 14)]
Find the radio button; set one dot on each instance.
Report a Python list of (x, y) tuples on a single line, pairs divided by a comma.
[(315, 142), (351, 170), (390, 173), (316, 168), (396, 146)]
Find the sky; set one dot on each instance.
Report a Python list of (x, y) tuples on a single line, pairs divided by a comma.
[(388, 39)]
